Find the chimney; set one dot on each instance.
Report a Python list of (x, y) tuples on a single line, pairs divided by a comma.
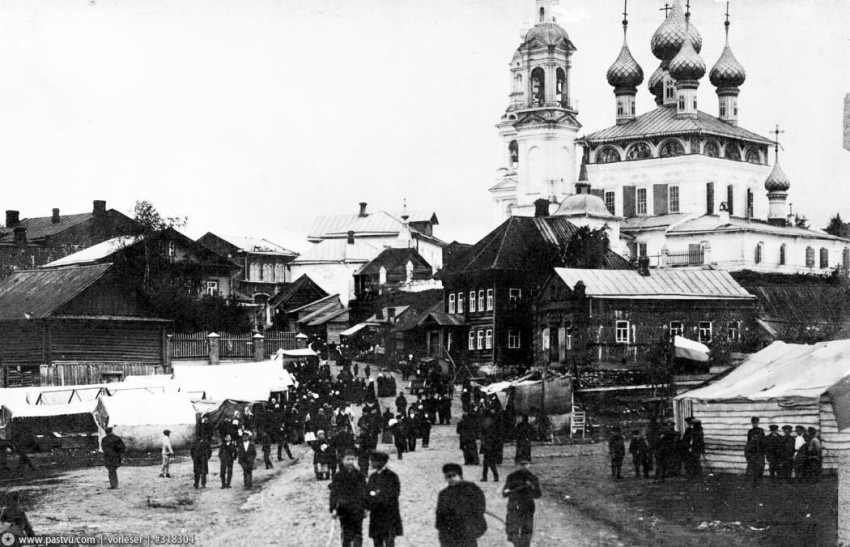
[(12, 218), (643, 266), (56, 218), (541, 208), (351, 237), (20, 235), (390, 313), (99, 208), (363, 212)]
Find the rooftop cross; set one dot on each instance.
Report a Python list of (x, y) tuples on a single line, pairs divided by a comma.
[(625, 13), (666, 9), (776, 144)]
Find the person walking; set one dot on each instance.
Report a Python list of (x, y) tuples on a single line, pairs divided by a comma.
[(201, 453), (460, 510), (267, 450), (167, 452), (523, 433), (617, 452), (348, 498), (491, 446), (113, 449), (383, 491), (246, 456), (754, 452), (467, 431), (283, 441), (522, 487), (639, 449), (227, 454)]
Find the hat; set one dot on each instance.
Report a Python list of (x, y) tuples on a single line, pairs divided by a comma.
[(787, 427), (774, 427), (689, 419), (452, 469), (523, 461), (754, 420), (379, 457), (349, 452)]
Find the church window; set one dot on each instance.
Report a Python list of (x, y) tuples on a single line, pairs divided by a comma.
[(639, 151), (681, 102), (824, 257), (672, 148), (633, 108), (609, 202), (673, 199), (561, 87), (620, 109), (695, 104), (732, 152), (810, 257), (735, 107), (709, 198), (608, 155), (641, 201), (538, 87), (669, 88), (711, 149), (753, 156), (730, 199), (751, 203), (722, 109), (513, 150), (542, 14), (759, 252), (782, 255)]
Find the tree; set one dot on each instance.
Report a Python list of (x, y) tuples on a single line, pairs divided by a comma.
[(838, 227), (800, 221), (587, 248)]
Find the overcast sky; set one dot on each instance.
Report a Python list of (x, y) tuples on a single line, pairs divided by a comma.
[(251, 117)]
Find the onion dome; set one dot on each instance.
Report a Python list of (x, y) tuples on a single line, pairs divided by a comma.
[(548, 33), (656, 81), (687, 64), (625, 72), (777, 181), (670, 36), (727, 71), (583, 205)]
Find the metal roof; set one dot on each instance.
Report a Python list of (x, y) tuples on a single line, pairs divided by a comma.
[(660, 284), (651, 222), (395, 260), (36, 294), (254, 245), (41, 227), (338, 250), (713, 223), (399, 310), (96, 253), (327, 225), (663, 121)]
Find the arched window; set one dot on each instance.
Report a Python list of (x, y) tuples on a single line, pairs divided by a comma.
[(513, 150), (518, 83), (753, 156), (608, 155), (759, 252), (538, 87), (711, 149), (824, 257), (732, 152), (810, 257), (672, 148), (669, 88), (782, 255), (561, 87), (639, 151)]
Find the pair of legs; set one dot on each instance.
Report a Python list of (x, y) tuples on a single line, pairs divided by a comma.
[(267, 459), (281, 446), (248, 477), (616, 467), (385, 541), (201, 471), (400, 448), (352, 532), (166, 464), (641, 462), (489, 465), (113, 477)]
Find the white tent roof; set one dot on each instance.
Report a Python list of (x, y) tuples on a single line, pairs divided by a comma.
[(303, 352), (240, 382), (131, 408), (782, 371), (356, 328)]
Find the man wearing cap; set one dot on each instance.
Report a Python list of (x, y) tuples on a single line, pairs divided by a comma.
[(247, 456), (113, 449), (773, 452), (460, 510), (754, 452), (786, 454), (815, 456), (348, 498), (801, 453), (227, 454), (521, 488), (383, 491)]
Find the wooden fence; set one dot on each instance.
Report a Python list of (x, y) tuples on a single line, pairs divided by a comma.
[(195, 346)]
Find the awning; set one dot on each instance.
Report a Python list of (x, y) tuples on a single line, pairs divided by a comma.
[(690, 349), (353, 330)]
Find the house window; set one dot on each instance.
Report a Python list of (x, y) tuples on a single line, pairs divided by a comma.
[(481, 300), (460, 302), (489, 299), (782, 255), (452, 303), (609, 202), (515, 295), (735, 331), (513, 339), (641, 201), (488, 339), (472, 307), (212, 288), (621, 329), (705, 331), (673, 199), (824, 257), (480, 339), (810, 257), (170, 249), (641, 248), (472, 340), (759, 252), (677, 328)]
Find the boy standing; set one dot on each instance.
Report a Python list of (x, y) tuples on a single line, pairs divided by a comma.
[(167, 452)]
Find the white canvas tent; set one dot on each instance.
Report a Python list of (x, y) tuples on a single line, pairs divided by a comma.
[(790, 384), (10, 411), (239, 382), (139, 418)]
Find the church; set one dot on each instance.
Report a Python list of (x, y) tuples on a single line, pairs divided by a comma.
[(677, 185)]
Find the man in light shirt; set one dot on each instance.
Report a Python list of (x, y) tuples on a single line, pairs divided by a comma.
[(167, 452)]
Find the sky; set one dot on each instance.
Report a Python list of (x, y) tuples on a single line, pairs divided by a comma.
[(252, 117)]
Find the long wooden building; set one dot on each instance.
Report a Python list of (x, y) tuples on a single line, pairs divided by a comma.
[(76, 325)]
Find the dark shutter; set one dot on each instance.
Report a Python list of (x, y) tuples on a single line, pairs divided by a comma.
[(629, 201), (598, 193), (730, 199), (659, 199), (709, 198)]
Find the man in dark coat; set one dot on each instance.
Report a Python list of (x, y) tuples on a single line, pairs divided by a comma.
[(348, 498), (616, 451), (383, 491), (201, 453), (113, 450), (227, 454), (786, 454), (247, 457), (521, 488), (467, 430), (639, 449), (523, 433), (754, 452), (773, 452), (491, 445), (460, 510)]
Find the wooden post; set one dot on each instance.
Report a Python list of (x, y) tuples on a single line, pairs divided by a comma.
[(259, 347), (843, 497), (214, 348), (169, 352)]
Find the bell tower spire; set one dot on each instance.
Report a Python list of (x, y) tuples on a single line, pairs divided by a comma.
[(728, 75), (625, 75)]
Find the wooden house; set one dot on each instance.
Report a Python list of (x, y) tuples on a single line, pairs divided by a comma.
[(76, 325), (293, 296), (394, 267)]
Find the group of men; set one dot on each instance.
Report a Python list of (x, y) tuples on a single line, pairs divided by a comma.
[(795, 455), (663, 448)]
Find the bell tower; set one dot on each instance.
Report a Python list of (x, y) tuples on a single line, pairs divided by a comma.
[(539, 127)]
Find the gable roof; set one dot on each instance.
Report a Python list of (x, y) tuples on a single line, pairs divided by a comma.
[(713, 223), (394, 260), (530, 244), (289, 291), (36, 294), (255, 245), (327, 225), (663, 121), (43, 227), (660, 284), (314, 302), (338, 250)]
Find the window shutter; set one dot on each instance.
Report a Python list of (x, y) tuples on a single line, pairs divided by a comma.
[(629, 201), (730, 199), (659, 199), (709, 198), (598, 193)]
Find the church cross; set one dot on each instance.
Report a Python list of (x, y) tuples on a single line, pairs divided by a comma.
[(776, 132), (666, 9)]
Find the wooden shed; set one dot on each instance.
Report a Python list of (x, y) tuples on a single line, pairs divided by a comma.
[(791, 384), (76, 325)]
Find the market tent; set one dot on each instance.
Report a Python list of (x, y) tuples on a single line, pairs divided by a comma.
[(240, 382), (46, 419), (139, 418), (530, 395), (792, 384), (303, 352)]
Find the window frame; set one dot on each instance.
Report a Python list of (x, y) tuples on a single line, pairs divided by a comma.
[(823, 258), (638, 210), (488, 339), (621, 326), (670, 192), (481, 300), (613, 202), (471, 340), (810, 257), (452, 303), (211, 284), (514, 339), (701, 329), (676, 331), (460, 303), (479, 336), (514, 296), (472, 307), (490, 299), (733, 331)]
